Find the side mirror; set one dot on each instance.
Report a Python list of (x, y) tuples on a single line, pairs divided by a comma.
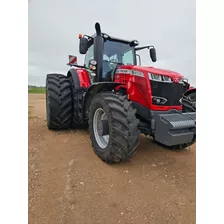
[(83, 45), (152, 52)]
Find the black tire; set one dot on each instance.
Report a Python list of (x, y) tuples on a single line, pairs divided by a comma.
[(123, 127), (189, 102), (78, 93), (58, 102)]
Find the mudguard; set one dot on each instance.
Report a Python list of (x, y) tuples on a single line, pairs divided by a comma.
[(80, 78), (96, 88), (73, 73)]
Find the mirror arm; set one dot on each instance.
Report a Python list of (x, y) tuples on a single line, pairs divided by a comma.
[(141, 48), (139, 58), (88, 37), (78, 66)]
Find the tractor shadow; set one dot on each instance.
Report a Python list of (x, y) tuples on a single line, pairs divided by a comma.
[(151, 153), (84, 131)]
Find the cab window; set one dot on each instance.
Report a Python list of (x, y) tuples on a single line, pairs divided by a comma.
[(89, 55)]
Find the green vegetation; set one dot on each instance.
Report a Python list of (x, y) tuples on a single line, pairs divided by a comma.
[(37, 90)]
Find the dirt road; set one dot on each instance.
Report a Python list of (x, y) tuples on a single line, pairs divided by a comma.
[(69, 184)]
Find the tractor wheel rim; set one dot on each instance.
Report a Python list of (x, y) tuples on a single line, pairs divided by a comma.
[(100, 123)]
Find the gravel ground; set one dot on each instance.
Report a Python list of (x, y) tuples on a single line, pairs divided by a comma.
[(69, 184)]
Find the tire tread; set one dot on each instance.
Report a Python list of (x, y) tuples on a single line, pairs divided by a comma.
[(58, 102)]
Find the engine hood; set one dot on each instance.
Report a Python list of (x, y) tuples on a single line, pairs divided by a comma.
[(173, 75)]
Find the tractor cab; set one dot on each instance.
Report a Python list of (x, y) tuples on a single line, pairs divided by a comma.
[(114, 53), (104, 54)]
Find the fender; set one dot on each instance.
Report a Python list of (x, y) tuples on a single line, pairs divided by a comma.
[(190, 91), (96, 88), (80, 77), (74, 74)]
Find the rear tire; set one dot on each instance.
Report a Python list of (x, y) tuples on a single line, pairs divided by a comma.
[(122, 123), (58, 102)]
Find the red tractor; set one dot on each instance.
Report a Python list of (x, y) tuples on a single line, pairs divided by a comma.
[(118, 99)]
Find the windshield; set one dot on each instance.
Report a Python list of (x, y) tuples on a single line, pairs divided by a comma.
[(118, 52), (115, 53)]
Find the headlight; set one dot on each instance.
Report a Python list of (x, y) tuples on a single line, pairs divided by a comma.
[(155, 77), (166, 79), (158, 100), (93, 62)]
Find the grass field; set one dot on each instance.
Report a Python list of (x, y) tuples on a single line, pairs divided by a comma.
[(37, 90)]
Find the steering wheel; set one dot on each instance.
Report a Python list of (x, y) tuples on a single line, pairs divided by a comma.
[(113, 61)]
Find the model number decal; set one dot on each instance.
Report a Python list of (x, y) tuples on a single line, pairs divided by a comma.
[(123, 71), (130, 72), (137, 73)]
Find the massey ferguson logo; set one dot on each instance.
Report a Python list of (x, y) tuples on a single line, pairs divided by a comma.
[(176, 79)]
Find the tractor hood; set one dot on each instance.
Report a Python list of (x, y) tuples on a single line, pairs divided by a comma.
[(173, 75)]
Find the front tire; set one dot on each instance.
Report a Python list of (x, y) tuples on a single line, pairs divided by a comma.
[(118, 122), (58, 102)]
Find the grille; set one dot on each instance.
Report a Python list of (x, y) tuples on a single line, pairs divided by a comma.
[(171, 91)]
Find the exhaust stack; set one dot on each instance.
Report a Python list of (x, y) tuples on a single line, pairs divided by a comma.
[(98, 29), (98, 52)]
